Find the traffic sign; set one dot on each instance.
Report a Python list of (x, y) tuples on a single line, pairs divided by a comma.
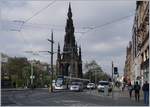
[(4, 59)]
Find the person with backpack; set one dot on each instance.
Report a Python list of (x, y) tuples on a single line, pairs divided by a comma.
[(137, 91), (145, 89)]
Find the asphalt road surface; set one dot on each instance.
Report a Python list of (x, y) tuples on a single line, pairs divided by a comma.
[(41, 97)]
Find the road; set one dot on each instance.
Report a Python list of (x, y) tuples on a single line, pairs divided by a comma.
[(41, 97)]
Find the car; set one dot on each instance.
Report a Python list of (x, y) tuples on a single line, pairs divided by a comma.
[(76, 86), (91, 86), (102, 84)]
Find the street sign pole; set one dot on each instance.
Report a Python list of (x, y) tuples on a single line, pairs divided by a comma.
[(112, 80), (0, 61)]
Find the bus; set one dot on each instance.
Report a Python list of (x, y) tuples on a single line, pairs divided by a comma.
[(63, 82)]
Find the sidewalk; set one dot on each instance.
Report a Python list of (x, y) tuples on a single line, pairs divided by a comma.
[(21, 89), (119, 97), (125, 93), (117, 93), (14, 89)]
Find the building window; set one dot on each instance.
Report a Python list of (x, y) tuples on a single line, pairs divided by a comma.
[(146, 55), (148, 52), (142, 58)]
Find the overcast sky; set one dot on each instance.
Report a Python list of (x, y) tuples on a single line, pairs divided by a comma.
[(103, 44)]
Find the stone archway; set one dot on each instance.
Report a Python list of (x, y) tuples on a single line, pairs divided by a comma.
[(67, 69)]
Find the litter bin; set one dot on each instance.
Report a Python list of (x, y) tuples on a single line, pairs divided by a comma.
[(106, 90)]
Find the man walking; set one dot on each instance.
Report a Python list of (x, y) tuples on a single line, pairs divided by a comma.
[(137, 91), (145, 89)]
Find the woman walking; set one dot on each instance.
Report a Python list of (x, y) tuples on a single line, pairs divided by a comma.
[(130, 88)]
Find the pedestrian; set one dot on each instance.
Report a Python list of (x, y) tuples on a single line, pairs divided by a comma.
[(130, 88), (137, 91), (145, 89), (123, 86)]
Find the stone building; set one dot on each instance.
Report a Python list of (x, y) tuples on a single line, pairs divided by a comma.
[(128, 62), (140, 43), (5, 74), (69, 62), (143, 38)]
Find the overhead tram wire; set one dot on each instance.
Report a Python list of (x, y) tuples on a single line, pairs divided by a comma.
[(64, 0), (38, 12), (89, 28), (99, 26), (108, 23)]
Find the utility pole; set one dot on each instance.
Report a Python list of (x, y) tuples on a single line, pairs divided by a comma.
[(96, 77), (112, 79), (52, 42)]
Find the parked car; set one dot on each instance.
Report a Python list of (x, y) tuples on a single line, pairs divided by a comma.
[(102, 84), (76, 86), (91, 86)]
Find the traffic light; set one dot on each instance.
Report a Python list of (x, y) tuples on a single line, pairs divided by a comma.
[(115, 70)]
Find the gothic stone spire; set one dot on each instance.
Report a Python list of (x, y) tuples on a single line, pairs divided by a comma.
[(69, 42), (69, 12), (58, 53), (80, 56)]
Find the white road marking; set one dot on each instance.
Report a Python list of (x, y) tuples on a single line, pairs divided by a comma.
[(70, 101)]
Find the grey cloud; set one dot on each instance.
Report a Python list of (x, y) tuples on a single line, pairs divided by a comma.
[(115, 36), (12, 4)]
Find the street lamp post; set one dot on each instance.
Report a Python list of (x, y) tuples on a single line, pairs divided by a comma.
[(31, 76)]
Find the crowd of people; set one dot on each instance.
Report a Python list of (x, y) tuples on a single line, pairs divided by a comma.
[(136, 88)]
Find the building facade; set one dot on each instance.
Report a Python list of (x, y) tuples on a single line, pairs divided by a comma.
[(69, 62), (5, 74), (128, 72), (140, 44), (143, 38)]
